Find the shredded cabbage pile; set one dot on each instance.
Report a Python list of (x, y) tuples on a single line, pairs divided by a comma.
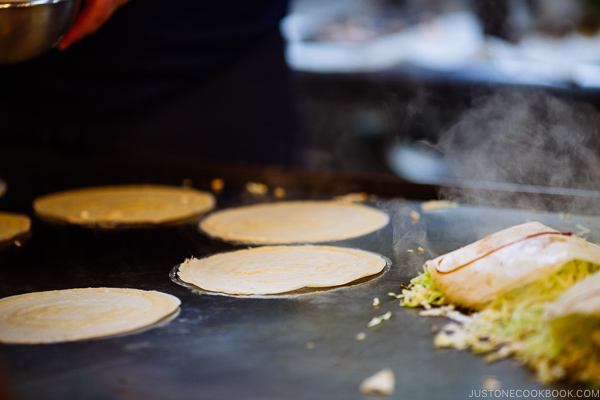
[(514, 324), (421, 292), (567, 347)]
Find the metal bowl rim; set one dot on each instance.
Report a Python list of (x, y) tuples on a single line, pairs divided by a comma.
[(29, 3)]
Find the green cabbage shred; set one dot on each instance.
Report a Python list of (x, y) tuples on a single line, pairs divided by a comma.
[(421, 292), (514, 324)]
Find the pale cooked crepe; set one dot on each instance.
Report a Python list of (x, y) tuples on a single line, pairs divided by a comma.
[(13, 226), (480, 272), (581, 298), (294, 222), (75, 314), (128, 205), (280, 269)]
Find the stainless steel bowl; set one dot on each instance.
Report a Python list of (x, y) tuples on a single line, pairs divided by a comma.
[(29, 28)]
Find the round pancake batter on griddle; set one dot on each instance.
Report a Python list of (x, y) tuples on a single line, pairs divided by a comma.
[(12, 226), (280, 269), (291, 222), (128, 205), (76, 314)]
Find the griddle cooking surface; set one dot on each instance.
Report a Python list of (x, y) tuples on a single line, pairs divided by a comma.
[(225, 347)]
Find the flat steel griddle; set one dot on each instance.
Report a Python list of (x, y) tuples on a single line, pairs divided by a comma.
[(228, 348)]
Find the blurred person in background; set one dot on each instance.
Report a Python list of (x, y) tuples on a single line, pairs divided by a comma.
[(186, 78)]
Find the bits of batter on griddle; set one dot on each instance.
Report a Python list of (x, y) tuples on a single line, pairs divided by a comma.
[(360, 336), (217, 185), (279, 192), (310, 345), (360, 197), (257, 188), (375, 303), (415, 216), (437, 205), (491, 383), (380, 384), (420, 250), (376, 321)]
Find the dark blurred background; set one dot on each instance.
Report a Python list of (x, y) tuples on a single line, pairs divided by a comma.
[(435, 91), (455, 90)]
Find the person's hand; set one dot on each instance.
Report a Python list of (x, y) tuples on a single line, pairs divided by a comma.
[(93, 15)]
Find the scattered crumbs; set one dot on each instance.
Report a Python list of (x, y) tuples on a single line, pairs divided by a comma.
[(309, 345), (361, 336), (490, 383), (447, 312), (279, 192), (415, 216), (217, 185), (434, 328), (18, 243), (452, 335), (420, 250), (257, 188), (376, 302), (437, 311), (435, 205), (582, 230), (380, 384), (375, 321), (186, 183), (353, 197), (395, 295), (410, 251)]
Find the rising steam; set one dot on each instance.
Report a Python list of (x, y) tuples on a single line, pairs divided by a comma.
[(527, 138)]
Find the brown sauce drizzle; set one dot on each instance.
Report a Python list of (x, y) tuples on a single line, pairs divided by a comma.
[(492, 251)]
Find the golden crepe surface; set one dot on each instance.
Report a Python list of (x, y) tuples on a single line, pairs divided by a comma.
[(127, 205), (481, 271), (13, 225), (76, 314), (292, 222), (280, 269)]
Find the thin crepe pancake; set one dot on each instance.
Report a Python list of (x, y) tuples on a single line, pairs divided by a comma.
[(76, 314), (294, 222), (12, 226), (280, 269), (123, 206)]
